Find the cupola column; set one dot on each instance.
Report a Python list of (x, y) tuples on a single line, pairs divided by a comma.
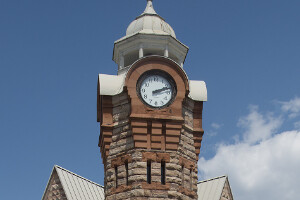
[(181, 60), (166, 54), (141, 51), (121, 64)]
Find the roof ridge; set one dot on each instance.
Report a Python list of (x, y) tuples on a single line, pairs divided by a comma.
[(218, 177), (56, 166)]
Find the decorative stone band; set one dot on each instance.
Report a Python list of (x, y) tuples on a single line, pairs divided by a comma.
[(106, 126), (121, 160), (193, 122), (145, 185), (120, 189), (105, 140), (114, 120), (187, 163), (156, 157), (187, 192), (155, 186), (197, 141), (156, 135)]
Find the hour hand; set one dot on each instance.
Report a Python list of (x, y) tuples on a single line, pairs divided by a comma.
[(160, 90)]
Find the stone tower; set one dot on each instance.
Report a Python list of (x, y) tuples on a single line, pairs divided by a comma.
[(150, 115)]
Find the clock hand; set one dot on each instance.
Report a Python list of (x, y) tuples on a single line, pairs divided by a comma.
[(160, 90)]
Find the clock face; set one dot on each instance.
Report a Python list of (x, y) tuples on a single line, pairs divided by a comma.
[(156, 89)]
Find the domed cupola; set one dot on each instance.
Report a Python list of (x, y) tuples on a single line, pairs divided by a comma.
[(149, 22), (147, 35)]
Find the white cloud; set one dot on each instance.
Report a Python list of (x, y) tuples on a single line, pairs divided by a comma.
[(297, 125), (292, 107), (263, 165), (258, 127), (214, 129), (215, 125)]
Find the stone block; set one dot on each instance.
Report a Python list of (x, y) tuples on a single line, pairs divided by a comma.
[(173, 173), (173, 194), (139, 165), (156, 172), (122, 195), (138, 171), (156, 178), (155, 165), (138, 193), (172, 166), (170, 179), (174, 160), (122, 181), (138, 178)]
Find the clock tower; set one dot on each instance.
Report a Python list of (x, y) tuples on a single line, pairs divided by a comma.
[(150, 115)]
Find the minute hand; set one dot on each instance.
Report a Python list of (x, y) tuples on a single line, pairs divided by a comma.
[(160, 90)]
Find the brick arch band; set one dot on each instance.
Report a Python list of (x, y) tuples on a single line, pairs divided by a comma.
[(163, 64)]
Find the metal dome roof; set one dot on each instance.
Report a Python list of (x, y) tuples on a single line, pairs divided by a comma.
[(149, 22)]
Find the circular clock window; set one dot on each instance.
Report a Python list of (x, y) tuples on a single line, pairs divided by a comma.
[(156, 89)]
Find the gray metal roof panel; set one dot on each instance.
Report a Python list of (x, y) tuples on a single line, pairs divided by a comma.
[(211, 189), (64, 183), (77, 187), (82, 188)]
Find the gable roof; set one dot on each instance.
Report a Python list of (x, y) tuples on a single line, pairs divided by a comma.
[(64, 184), (214, 189)]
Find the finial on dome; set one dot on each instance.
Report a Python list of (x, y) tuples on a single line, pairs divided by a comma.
[(149, 8)]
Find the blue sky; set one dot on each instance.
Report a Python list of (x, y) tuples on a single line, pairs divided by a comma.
[(247, 52)]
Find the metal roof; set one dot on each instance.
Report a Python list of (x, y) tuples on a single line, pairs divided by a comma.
[(149, 22), (211, 189), (198, 91), (76, 187), (110, 84)]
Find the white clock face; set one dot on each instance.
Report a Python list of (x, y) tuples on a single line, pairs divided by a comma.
[(156, 90)]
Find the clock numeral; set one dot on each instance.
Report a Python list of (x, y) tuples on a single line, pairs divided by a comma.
[(156, 90)]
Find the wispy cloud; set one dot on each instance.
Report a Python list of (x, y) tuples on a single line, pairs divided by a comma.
[(213, 131), (264, 164), (297, 125), (292, 107), (216, 125), (258, 127)]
